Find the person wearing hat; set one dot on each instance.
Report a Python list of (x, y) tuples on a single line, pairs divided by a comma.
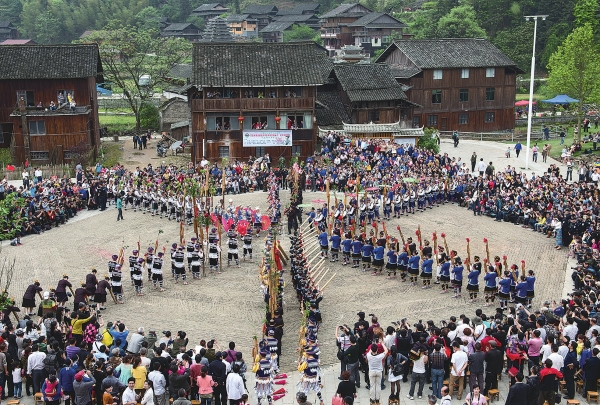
[(149, 256), (115, 281), (311, 374), (179, 257), (156, 270), (213, 251), (133, 260), (413, 266), (263, 382), (444, 273), (48, 304), (197, 258), (247, 239), (29, 297), (82, 387), (232, 247), (257, 220), (490, 287), (189, 249)]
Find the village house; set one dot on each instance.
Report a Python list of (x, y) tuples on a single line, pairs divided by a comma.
[(48, 112), (246, 96), (467, 85)]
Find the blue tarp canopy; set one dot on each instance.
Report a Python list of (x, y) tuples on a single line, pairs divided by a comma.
[(561, 99)]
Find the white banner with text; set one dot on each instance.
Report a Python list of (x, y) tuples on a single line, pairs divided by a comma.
[(258, 138)]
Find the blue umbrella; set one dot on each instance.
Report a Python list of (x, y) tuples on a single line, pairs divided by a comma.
[(561, 99)]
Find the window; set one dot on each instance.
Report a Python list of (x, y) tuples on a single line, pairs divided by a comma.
[(490, 72), (260, 151), (37, 128), (437, 74), (463, 119), (294, 122), (260, 122), (67, 154), (416, 121), (65, 96), (296, 150), (436, 96), (223, 151), (490, 93), (489, 117), (40, 155), (374, 116), (218, 122), (464, 73), (293, 92), (432, 120), (463, 95), (27, 96)]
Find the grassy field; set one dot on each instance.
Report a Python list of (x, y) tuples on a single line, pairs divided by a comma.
[(110, 153), (116, 123)]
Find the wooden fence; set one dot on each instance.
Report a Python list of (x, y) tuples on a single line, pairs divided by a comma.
[(47, 171)]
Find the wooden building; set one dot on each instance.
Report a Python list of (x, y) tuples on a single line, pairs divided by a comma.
[(334, 25), (243, 25), (253, 88), (33, 76), (210, 10), (263, 13), (466, 85), (182, 30), (370, 93), (8, 30)]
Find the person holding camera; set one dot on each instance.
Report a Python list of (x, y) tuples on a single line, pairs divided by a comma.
[(343, 343), (375, 362)]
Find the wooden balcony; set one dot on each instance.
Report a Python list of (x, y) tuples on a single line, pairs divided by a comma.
[(252, 104)]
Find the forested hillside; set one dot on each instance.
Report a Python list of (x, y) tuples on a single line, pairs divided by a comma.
[(501, 21)]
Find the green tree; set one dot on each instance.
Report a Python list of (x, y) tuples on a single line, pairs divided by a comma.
[(46, 27), (574, 69), (421, 24), (586, 12), (429, 140), (11, 10), (128, 53), (298, 32), (460, 22), (516, 44), (149, 117), (148, 19)]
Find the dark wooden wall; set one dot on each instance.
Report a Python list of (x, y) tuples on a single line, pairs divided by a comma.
[(63, 131)]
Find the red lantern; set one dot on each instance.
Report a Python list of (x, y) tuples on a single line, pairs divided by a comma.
[(241, 118), (277, 119)]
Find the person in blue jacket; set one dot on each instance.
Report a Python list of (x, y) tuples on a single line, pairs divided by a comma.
[(392, 259), (356, 249), (444, 272), (521, 291), (530, 287), (504, 289), (346, 248), (457, 277), (403, 262), (378, 254), (335, 240), (367, 252), (413, 267), (490, 285), (427, 271), (324, 242), (473, 279)]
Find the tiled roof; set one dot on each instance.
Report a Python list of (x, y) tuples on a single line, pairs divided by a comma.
[(368, 82), (181, 71), (207, 7), (330, 110), (217, 30), (249, 64), (179, 26), (369, 20), (300, 9), (449, 53), (404, 72), (260, 9), (294, 17), (237, 17), (6, 24), (343, 8), (50, 61), (277, 26)]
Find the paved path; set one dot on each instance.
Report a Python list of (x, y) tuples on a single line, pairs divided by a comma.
[(229, 306)]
